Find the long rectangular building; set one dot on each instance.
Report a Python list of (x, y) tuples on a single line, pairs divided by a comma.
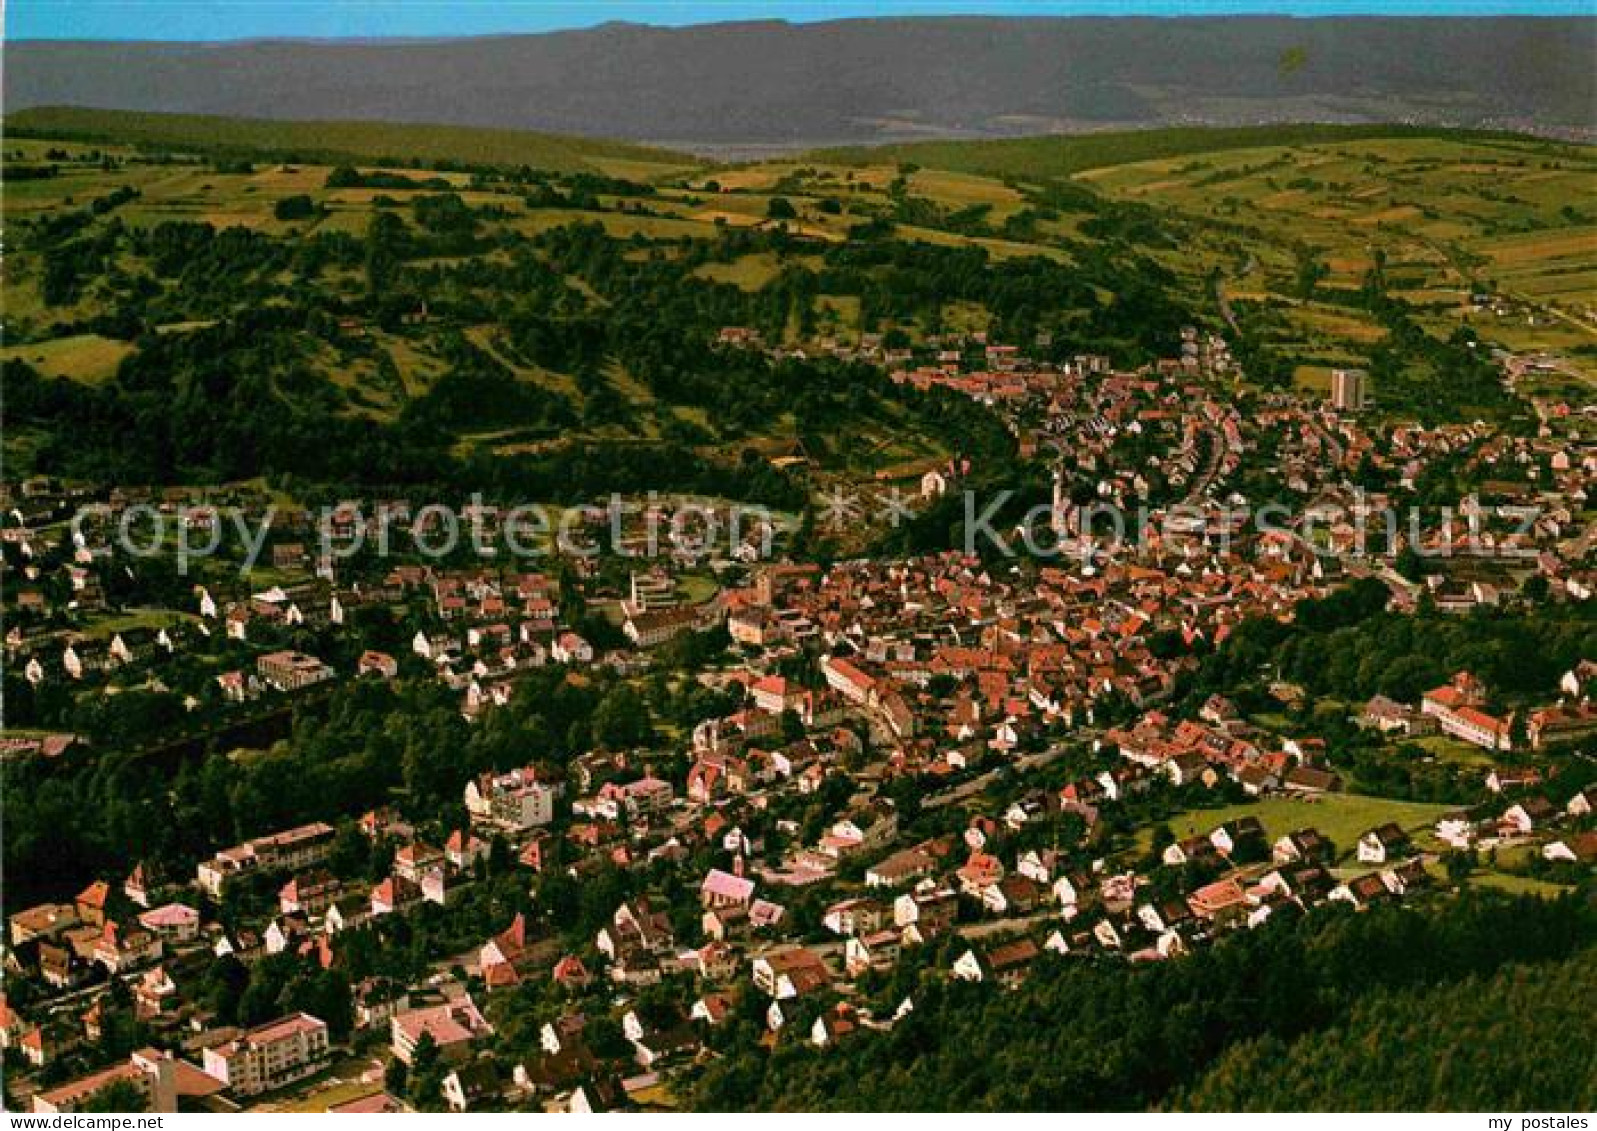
[(272, 1056), (289, 850)]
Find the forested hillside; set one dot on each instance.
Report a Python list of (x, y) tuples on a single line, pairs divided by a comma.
[(1519, 1039), (1068, 154), (1084, 1035), (440, 335)]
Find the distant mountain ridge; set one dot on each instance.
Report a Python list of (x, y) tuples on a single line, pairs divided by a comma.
[(771, 83)]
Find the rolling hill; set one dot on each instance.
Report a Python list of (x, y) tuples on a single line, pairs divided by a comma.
[(548, 322), (1066, 155), (394, 143)]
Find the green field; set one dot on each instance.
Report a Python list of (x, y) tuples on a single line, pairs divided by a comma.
[(1517, 885), (748, 272), (81, 357), (1453, 752), (1344, 817), (150, 618)]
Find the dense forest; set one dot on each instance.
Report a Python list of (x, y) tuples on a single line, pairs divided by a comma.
[(1123, 1037), (1519, 1039)]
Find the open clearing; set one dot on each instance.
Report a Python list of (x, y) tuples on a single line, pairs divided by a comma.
[(1344, 817), (81, 357)]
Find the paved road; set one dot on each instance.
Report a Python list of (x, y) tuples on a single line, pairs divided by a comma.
[(975, 785), (1214, 446), (1223, 299), (832, 948)]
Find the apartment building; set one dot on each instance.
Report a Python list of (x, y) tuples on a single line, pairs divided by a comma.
[(287, 851), (272, 1056)]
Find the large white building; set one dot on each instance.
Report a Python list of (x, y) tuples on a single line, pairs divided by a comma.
[(287, 851), (272, 1056), (290, 671), (517, 799), (1456, 706), (151, 1072)]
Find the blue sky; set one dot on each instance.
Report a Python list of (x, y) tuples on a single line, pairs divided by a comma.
[(243, 19)]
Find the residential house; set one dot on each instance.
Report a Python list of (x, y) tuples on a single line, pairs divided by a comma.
[(453, 1025), (471, 1087), (791, 973), (1305, 846), (173, 922), (1524, 817), (1007, 964), (1383, 843)]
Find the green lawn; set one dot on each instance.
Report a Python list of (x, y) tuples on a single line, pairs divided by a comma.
[(747, 272), (138, 618), (324, 1098), (1452, 751), (1517, 885), (697, 587), (1343, 817)]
